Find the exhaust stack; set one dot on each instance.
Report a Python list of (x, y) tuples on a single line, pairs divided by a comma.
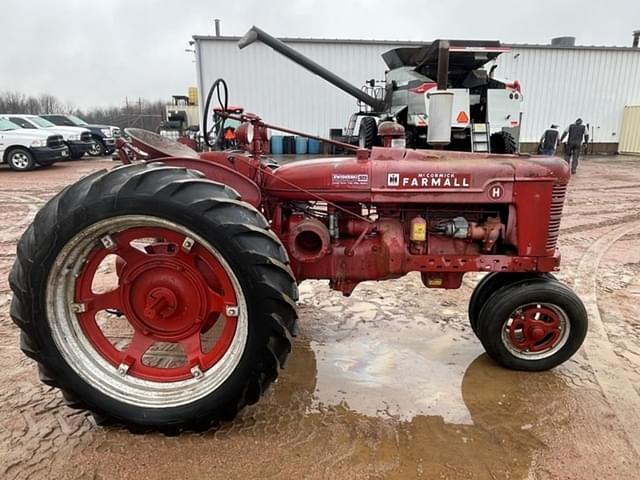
[(257, 35), (441, 102), (636, 38)]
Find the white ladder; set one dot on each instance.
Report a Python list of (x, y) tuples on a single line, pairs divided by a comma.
[(480, 138)]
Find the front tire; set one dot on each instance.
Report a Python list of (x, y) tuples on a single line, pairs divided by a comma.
[(503, 142), (191, 260), (491, 283), (97, 148), (532, 325), (20, 160), (367, 133)]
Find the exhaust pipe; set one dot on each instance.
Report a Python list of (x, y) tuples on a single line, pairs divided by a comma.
[(636, 38), (257, 35)]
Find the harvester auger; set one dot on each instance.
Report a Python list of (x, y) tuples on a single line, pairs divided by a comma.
[(161, 294)]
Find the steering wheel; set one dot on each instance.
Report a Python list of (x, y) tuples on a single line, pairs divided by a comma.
[(221, 91)]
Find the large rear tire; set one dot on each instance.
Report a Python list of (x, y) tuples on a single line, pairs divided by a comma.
[(190, 261)]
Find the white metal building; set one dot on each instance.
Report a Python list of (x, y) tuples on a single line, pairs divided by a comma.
[(559, 83)]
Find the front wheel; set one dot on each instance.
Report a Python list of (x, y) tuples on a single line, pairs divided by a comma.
[(368, 132), (532, 325), (491, 283), (97, 148), (163, 301), (503, 142), (20, 160)]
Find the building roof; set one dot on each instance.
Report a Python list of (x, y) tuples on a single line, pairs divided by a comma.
[(392, 43)]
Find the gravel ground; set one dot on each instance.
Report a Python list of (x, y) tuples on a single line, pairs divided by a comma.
[(389, 383)]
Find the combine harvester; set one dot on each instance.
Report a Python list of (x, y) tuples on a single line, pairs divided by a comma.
[(484, 111)]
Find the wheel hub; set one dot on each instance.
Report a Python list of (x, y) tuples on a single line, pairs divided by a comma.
[(161, 303), (164, 299), (537, 332), (535, 329)]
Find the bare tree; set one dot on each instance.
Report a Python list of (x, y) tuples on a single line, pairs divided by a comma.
[(143, 114), (49, 104)]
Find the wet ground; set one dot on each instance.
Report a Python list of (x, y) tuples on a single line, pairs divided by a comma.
[(390, 383)]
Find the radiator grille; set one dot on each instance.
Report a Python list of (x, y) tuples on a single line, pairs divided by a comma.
[(557, 202), (85, 136), (55, 141)]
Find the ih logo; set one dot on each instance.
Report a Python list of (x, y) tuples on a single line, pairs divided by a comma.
[(496, 191), (393, 179)]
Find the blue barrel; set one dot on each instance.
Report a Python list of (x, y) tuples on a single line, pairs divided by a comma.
[(301, 145), (289, 145), (276, 145), (313, 147)]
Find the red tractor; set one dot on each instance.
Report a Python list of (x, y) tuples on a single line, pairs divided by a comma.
[(162, 294)]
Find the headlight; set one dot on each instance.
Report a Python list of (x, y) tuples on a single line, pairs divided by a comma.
[(106, 132), (75, 136), (39, 143)]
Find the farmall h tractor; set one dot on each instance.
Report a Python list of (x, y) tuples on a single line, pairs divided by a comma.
[(484, 111), (162, 294)]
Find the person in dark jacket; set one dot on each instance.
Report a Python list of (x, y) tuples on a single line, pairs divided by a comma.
[(577, 133), (549, 141)]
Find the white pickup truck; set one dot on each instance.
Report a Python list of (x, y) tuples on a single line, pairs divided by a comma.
[(79, 140), (24, 149)]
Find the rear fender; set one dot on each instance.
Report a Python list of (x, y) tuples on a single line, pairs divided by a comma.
[(236, 161), (246, 188)]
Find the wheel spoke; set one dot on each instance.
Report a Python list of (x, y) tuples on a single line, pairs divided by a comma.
[(527, 343), (216, 301), (131, 255), (103, 301), (140, 343), (551, 320), (193, 350)]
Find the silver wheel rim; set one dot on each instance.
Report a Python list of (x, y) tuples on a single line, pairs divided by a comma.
[(95, 149), (81, 356), (565, 326), (20, 160)]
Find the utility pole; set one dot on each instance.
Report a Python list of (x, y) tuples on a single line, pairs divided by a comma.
[(126, 110)]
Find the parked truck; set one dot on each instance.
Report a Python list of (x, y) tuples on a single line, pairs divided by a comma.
[(25, 149), (103, 136), (77, 139)]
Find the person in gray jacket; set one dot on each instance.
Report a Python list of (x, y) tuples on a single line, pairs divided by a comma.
[(549, 141), (577, 133)]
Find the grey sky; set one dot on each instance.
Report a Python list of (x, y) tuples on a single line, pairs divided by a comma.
[(97, 52)]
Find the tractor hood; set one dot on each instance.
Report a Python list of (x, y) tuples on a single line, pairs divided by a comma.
[(413, 176)]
